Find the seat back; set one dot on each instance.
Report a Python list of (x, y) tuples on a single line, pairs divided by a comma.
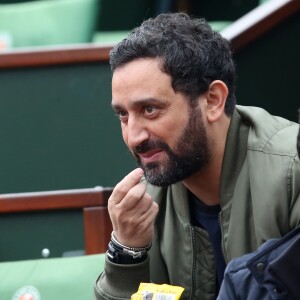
[(49, 22), (49, 279)]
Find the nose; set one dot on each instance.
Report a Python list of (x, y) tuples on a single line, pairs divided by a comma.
[(135, 132)]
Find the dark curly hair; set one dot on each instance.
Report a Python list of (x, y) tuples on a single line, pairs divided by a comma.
[(188, 50)]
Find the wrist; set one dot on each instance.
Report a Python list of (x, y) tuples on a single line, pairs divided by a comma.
[(122, 254)]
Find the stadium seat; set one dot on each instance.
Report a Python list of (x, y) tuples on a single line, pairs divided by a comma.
[(52, 278), (109, 37), (48, 22)]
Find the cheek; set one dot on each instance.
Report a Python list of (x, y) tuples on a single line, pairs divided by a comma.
[(124, 133), (168, 131)]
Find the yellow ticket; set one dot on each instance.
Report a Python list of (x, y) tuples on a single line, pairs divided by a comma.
[(151, 291)]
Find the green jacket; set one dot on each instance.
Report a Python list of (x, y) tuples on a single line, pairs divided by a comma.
[(260, 199)]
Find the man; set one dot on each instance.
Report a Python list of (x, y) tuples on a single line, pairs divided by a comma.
[(221, 179), (271, 272)]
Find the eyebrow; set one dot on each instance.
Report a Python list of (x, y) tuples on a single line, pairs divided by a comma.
[(139, 103)]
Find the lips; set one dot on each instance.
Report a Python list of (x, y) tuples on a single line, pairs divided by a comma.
[(150, 156)]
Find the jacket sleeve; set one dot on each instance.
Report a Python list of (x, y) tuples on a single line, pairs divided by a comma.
[(120, 281), (227, 290)]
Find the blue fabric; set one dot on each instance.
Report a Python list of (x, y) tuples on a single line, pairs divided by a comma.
[(258, 275), (207, 217)]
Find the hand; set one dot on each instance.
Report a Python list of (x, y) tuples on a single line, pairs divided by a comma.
[(132, 211)]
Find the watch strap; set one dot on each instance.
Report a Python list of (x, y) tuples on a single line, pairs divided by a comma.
[(122, 254), (120, 257)]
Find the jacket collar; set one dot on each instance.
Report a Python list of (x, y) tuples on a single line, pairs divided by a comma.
[(234, 156)]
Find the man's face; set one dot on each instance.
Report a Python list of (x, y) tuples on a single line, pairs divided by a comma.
[(165, 134)]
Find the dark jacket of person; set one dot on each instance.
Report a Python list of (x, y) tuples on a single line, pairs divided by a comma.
[(271, 272)]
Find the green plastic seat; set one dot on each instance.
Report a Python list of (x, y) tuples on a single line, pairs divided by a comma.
[(49, 22), (219, 25), (69, 278), (113, 37), (109, 37)]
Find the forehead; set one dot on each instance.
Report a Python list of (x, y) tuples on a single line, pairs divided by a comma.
[(138, 69), (139, 79)]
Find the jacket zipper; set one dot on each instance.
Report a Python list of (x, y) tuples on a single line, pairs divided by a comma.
[(193, 264), (222, 244)]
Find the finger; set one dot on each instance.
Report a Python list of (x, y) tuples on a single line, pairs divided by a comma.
[(147, 217), (148, 212), (137, 231), (142, 206), (140, 225), (133, 198), (124, 186)]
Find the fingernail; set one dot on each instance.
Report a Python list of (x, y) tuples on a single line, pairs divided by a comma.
[(139, 171)]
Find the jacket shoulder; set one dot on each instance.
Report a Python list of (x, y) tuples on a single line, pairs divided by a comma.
[(268, 133)]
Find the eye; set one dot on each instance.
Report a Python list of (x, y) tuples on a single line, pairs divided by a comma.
[(122, 115), (151, 110)]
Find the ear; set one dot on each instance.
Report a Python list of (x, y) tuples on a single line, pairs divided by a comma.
[(216, 98)]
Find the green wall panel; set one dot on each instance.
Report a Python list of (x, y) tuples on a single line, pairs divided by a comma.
[(268, 70), (25, 235), (228, 10), (58, 130), (124, 15)]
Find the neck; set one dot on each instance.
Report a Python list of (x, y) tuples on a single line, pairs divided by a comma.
[(205, 184)]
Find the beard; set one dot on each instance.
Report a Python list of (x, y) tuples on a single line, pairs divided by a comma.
[(190, 154)]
